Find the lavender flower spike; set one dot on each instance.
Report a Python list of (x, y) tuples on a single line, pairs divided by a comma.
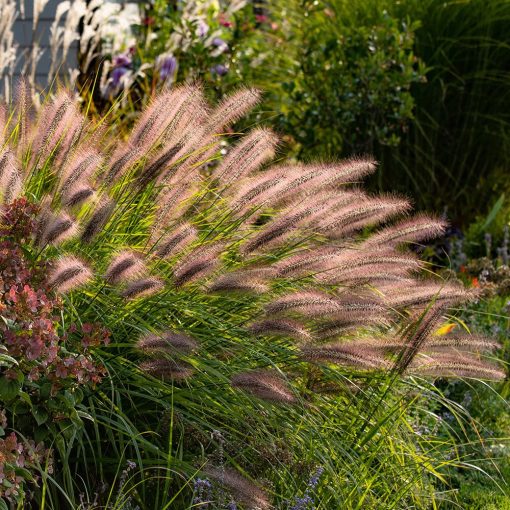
[(202, 490), (307, 502), (166, 64)]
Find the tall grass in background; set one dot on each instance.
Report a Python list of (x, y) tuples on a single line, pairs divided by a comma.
[(457, 151), (266, 322)]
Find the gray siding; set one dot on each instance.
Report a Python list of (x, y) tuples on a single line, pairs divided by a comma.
[(24, 37)]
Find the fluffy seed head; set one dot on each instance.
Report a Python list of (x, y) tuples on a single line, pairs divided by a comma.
[(142, 287), (462, 342), (419, 228), (265, 385), (168, 341), (254, 150), (349, 323), (176, 240), (448, 365), (425, 293), (123, 159), (310, 303), (348, 355), (416, 333), (10, 178), (252, 496), (98, 219), (357, 216), (197, 264), (79, 170), (125, 266), (241, 281), (68, 274), (281, 327), (59, 229), (77, 195), (167, 369), (233, 108), (348, 171)]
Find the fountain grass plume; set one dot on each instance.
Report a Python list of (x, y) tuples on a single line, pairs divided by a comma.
[(265, 385), (59, 228), (243, 489), (166, 369), (167, 341), (97, 219), (281, 327), (455, 366), (69, 273), (180, 237), (142, 287), (125, 266), (247, 156)]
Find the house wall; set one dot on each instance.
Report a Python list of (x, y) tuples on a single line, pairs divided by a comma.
[(24, 36)]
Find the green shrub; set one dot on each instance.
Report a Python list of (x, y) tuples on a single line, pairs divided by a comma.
[(423, 85), (347, 85)]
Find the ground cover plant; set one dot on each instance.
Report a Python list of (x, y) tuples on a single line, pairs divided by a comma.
[(186, 325)]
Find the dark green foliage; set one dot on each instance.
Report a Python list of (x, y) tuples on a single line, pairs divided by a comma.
[(457, 151), (350, 80)]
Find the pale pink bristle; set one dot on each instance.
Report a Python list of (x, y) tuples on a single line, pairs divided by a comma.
[(142, 288), (125, 266), (264, 384), (68, 274)]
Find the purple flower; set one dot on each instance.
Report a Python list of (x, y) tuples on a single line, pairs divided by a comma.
[(314, 479), (167, 66), (202, 28), (202, 489), (217, 41), (220, 44), (122, 60), (219, 69), (306, 502), (302, 503), (117, 75)]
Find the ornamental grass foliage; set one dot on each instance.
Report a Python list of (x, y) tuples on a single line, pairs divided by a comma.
[(163, 289)]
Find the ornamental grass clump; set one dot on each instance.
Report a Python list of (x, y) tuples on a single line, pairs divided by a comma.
[(228, 286)]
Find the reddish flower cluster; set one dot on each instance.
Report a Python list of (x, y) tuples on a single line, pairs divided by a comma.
[(224, 20), (29, 310), (15, 457), (30, 333), (18, 220)]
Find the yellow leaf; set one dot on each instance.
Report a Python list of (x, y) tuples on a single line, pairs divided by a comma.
[(444, 330)]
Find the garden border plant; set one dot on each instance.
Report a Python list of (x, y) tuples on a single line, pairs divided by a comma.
[(265, 320)]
